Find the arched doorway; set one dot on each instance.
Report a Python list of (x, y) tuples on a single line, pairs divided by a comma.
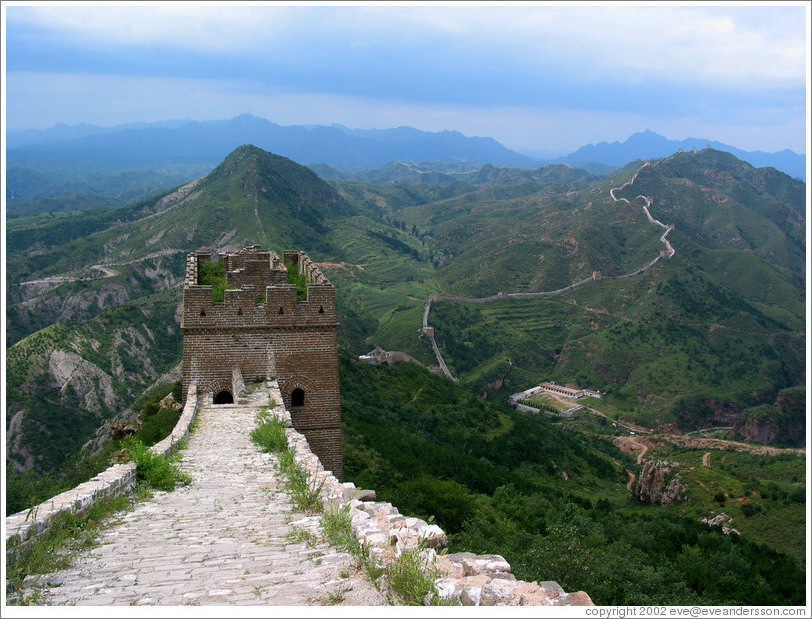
[(297, 397), (224, 397)]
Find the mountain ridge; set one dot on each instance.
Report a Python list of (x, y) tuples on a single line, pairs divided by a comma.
[(69, 168), (387, 247), (647, 145)]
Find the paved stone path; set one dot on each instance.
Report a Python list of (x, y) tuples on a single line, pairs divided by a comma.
[(230, 537)]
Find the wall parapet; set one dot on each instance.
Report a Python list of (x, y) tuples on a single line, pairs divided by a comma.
[(27, 526), (473, 580)]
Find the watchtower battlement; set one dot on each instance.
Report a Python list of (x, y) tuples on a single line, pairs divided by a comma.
[(265, 327), (257, 292)]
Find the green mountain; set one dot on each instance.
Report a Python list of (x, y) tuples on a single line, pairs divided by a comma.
[(717, 327), (709, 338), (720, 323)]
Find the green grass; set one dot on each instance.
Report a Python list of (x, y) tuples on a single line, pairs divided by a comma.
[(157, 471), (337, 528), (213, 273), (411, 579), (270, 433), (297, 279), (270, 436), (58, 547)]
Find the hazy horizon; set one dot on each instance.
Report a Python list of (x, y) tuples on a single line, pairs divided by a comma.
[(536, 77), (540, 154)]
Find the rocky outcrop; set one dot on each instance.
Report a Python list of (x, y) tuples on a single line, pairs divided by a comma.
[(120, 429), (697, 412), (780, 423), (381, 356), (659, 484), (91, 384), (720, 520)]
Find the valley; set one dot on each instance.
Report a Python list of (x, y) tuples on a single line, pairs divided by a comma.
[(505, 278)]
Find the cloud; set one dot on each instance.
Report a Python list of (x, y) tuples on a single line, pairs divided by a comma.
[(596, 72), (753, 47)]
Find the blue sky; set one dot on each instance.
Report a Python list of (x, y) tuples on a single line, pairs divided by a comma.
[(538, 77)]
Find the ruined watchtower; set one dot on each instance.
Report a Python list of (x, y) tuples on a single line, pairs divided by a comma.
[(261, 329)]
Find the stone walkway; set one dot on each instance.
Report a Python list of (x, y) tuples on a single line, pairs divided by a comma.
[(229, 538)]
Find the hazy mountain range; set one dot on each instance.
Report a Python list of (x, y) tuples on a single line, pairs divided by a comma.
[(348, 150)]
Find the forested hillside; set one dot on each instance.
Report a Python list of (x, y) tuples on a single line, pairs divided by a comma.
[(549, 499), (701, 353)]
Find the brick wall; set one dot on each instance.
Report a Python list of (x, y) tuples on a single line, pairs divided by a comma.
[(265, 331)]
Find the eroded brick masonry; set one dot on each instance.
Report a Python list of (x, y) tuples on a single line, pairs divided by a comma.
[(264, 331)]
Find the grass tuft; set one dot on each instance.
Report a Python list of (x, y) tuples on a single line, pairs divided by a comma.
[(157, 471), (411, 579), (271, 437)]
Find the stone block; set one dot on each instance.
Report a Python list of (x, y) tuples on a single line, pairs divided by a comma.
[(485, 564), (579, 598), (448, 588), (434, 537), (471, 596), (499, 592)]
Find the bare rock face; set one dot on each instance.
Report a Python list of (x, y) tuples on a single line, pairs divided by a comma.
[(762, 431), (659, 484), (780, 423), (92, 384), (381, 356)]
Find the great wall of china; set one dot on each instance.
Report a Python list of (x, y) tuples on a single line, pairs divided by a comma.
[(669, 252), (231, 536), (227, 537)]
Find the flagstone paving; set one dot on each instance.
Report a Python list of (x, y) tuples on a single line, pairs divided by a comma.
[(228, 538)]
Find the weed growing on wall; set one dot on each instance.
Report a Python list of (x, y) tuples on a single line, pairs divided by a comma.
[(67, 536), (214, 274), (270, 436), (298, 280), (337, 528), (270, 433), (411, 579), (157, 471)]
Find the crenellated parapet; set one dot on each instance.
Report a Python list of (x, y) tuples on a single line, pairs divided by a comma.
[(257, 294)]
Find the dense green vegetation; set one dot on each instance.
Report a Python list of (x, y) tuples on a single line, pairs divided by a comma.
[(298, 279), (28, 488), (551, 501), (213, 273), (714, 336), (694, 339)]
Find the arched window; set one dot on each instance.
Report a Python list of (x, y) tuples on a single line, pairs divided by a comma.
[(297, 397), (321, 309), (224, 397)]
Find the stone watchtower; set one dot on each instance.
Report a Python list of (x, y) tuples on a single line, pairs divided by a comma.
[(262, 330)]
